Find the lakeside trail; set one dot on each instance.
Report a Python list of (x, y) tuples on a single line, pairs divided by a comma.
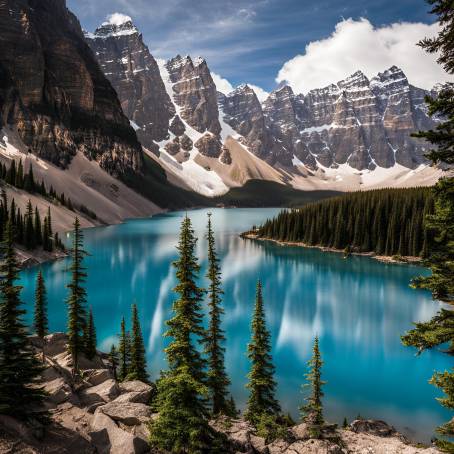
[(94, 412), (401, 260)]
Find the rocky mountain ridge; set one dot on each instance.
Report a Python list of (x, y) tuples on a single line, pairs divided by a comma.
[(55, 95), (356, 125)]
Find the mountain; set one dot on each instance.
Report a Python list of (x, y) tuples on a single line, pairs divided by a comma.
[(134, 73), (53, 92), (360, 122), (348, 135)]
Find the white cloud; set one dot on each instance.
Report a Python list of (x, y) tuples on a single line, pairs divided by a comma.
[(260, 92), (117, 19), (223, 85), (357, 44)]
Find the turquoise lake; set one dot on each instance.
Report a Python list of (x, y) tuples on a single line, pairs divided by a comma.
[(358, 307)]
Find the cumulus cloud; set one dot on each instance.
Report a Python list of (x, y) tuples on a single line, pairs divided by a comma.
[(224, 86), (117, 19), (357, 44)]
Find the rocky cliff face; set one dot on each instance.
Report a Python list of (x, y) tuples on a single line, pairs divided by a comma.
[(360, 122), (53, 91), (134, 73), (242, 110), (195, 93)]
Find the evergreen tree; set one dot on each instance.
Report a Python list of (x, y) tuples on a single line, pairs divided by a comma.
[(38, 228), (29, 181), (19, 183), (124, 350), (113, 356), (77, 296), (19, 368), (439, 252), (182, 425), (90, 337), (29, 227), (261, 383), (217, 380), (312, 411), (138, 366), (41, 323)]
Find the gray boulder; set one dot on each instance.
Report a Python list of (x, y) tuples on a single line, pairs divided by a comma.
[(129, 413), (104, 392), (138, 391), (110, 439)]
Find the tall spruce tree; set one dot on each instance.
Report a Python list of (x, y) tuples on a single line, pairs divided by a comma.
[(182, 425), (312, 411), (40, 321), (261, 382), (90, 337), (217, 380), (30, 241), (439, 253), (138, 365), (77, 297), (19, 368), (124, 351)]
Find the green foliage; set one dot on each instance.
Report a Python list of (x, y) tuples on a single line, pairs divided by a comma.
[(439, 256), (124, 351), (138, 366), (261, 382), (272, 427), (385, 221), (19, 368), (40, 321), (90, 337), (217, 380), (182, 425), (77, 297), (312, 411)]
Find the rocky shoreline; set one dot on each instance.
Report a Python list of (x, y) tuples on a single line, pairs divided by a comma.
[(399, 260), (94, 413)]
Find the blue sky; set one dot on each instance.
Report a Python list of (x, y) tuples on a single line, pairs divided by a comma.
[(250, 41)]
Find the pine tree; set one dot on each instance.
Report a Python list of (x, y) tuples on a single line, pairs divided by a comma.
[(261, 383), (29, 181), (19, 183), (439, 253), (113, 356), (77, 296), (41, 323), (138, 366), (217, 380), (182, 425), (312, 411), (38, 228), (18, 366), (29, 227), (124, 350), (90, 337)]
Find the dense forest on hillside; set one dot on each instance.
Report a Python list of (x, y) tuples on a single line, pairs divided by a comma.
[(385, 221)]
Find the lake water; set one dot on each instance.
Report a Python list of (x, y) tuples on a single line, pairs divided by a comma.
[(358, 307)]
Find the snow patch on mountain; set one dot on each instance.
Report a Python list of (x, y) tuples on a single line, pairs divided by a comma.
[(117, 19)]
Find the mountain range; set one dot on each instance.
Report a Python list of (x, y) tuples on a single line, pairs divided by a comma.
[(104, 122), (214, 140)]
